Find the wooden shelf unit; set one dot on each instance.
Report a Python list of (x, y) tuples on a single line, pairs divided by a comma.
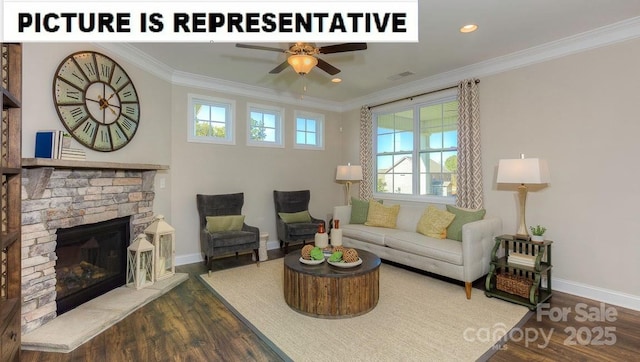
[(539, 252), (10, 209)]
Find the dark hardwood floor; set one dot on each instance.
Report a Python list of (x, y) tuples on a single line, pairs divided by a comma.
[(190, 324)]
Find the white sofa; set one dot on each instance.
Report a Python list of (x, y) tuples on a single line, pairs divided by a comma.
[(465, 261)]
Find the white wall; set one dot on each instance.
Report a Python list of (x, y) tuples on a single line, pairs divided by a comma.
[(255, 171), (152, 142), (580, 113)]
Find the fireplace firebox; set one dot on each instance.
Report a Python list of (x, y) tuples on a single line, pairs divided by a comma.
[(91, 261)]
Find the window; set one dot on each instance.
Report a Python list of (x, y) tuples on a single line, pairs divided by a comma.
[(264, 126), (416, 149), (211, 120), (309, 131)]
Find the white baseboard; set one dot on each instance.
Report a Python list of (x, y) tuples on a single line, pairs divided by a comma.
[(600, 294), (189, 259), (197, 257)]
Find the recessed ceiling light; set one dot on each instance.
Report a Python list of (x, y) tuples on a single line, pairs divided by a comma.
[(336, 80), (469, 28)]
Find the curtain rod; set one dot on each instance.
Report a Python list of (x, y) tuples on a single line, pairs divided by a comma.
[(417, 95)]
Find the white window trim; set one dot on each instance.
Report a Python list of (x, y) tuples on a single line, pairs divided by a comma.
[(320, 134), (431, 99), (230, 120), (279, 143)]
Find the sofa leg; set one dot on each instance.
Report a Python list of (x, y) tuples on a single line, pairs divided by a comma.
[(467, 289)]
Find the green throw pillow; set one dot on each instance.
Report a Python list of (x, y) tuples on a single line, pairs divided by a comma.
[(463, 216), (293, 217), (216, 224), (359, 210)]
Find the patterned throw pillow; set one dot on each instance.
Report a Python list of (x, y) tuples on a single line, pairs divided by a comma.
[(383, 216), (434, 222), (217, 224), (463, 216)]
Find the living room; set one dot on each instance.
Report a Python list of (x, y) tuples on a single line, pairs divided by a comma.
[(550, 102)]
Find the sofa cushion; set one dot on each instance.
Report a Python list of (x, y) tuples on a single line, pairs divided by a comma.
[(434, 222), (224, 223), (383, 216), (440, 249), (372, 234), (463, 216)]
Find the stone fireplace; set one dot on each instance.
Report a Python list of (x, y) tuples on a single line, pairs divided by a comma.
[(62, 195)]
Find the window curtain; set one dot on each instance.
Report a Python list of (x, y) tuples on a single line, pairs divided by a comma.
[(469, 161), (366, 155)]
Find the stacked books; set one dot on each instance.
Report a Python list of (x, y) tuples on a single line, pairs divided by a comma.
[(522, 259), (68, 153), (57, 145)]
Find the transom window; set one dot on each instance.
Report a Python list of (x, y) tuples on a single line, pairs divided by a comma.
[(211, 120), (309, 130), (265, 126), (416, 149)]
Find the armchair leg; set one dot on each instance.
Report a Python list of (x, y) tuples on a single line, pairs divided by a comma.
[(467, 289), (255, 251)]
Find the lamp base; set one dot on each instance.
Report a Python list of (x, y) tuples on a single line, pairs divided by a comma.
[(522, 237)]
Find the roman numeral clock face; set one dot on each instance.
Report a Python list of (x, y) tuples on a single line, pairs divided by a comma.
[(96, 101)]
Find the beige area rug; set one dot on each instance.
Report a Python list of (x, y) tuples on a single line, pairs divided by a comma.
[(417, 318), (69, 330)]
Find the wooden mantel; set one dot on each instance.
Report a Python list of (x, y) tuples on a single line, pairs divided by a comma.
[(73, 164)]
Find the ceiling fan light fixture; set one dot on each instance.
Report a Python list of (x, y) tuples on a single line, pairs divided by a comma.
[(302, 63)]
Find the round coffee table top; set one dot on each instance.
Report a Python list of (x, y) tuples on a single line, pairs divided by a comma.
[(370, 261)]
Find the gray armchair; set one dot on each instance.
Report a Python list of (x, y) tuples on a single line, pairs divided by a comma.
[(222, 242), (292, 202)]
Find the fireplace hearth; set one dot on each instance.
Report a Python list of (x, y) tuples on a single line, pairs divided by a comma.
[(91, 261)]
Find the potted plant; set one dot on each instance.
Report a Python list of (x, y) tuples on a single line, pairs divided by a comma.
[(538, 232)]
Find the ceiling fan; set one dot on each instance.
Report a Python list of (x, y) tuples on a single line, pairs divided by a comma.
[(303, 57)]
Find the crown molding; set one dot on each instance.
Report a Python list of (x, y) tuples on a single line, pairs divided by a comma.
[(241, 89), (139, 58), (176, 77), (606, 35)]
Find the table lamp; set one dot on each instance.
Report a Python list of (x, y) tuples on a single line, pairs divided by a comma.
[(348, 174), (523, 171)]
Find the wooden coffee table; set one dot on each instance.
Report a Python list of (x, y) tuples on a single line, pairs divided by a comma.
[(327, 291)]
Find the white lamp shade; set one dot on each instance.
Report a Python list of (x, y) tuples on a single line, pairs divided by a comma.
[(523, 171), (349, 173)]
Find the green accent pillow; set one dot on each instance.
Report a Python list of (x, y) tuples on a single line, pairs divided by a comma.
[(293, 217), (359, 210), (216, 224), (434, 222), (463, 216)]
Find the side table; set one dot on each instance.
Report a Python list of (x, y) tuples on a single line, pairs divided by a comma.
[(517, 275), (262, 249)]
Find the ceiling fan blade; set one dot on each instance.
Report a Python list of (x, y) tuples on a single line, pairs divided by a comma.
[(260, 47), (339, 48), (279, 68), (327, 67)]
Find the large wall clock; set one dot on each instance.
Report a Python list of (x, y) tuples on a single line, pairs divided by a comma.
[(96, 101)]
